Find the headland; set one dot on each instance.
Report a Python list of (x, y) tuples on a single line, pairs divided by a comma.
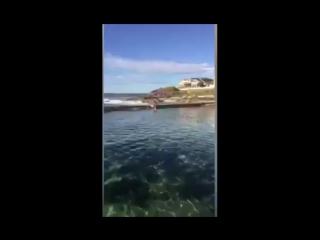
[(193, 92)]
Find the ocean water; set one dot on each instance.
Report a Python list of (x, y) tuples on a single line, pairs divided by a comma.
[(123, 98), (123, 95), (159, 164)]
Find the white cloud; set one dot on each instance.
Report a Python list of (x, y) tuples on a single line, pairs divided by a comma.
[(156, 66), (131, 78)]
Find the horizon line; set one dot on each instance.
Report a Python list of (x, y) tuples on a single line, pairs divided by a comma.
[(125, 93)]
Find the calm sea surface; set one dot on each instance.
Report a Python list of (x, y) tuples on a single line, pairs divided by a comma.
[(159, 164), (119, 96)]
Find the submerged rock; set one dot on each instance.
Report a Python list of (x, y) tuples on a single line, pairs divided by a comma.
[(130, 191)]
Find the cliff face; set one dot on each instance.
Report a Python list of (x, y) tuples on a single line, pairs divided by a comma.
[(168, 92)]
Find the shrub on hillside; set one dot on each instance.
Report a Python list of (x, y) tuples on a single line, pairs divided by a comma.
[(164, 92)]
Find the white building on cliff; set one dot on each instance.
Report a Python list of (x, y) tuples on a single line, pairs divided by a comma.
[(192, 83)]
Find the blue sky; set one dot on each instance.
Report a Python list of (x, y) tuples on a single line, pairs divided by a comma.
[(139, 58)]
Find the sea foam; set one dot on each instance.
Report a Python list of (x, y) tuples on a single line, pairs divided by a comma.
[(118, 101)]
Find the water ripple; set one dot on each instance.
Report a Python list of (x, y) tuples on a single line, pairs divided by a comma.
[(159, 164)]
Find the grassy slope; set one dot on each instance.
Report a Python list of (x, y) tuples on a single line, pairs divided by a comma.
[(194, 92), (178, 93)]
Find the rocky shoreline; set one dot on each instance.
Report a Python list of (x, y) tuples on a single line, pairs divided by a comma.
[(160, 105), (165, 98)]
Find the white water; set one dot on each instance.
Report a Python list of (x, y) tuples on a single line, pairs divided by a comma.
[(118, 101)]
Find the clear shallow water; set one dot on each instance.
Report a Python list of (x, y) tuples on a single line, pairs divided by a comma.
[(159, 164)]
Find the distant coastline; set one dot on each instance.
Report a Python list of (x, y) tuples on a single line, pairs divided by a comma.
[(190, 88), (190, 92), (124, 94)]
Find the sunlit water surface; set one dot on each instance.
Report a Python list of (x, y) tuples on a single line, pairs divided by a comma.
[(159, 164)]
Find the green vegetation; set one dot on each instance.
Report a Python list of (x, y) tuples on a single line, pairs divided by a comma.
[(172, 91), (169, 89), (194, 92)]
